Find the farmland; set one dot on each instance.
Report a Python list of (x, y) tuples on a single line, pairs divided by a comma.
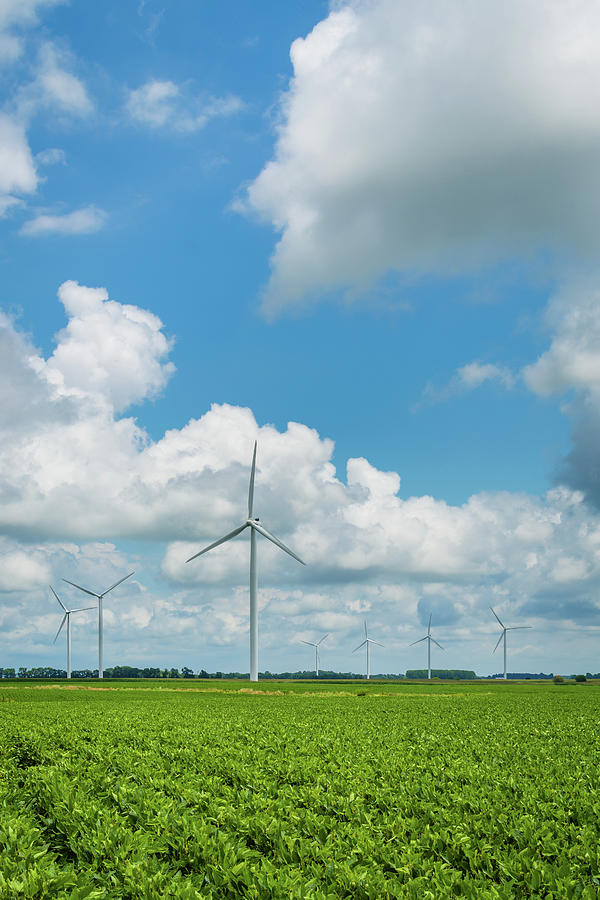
[(138, 790)]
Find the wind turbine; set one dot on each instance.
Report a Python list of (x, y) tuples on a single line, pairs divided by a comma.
[(429, 639), (255, 527), (368, 642), (67, 618), (316, 646), (99, 597), (506, 628)]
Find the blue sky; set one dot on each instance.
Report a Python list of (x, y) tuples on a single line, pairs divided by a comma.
[(371, 219)]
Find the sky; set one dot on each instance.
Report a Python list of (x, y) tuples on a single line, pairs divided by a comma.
[(363, 234)]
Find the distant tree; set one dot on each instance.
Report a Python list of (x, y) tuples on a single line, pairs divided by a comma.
[(580, 678)]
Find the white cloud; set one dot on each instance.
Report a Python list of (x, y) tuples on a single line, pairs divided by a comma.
[(572, 364), (61, 88), (22, 12), (164, 104), (468, 378), (15, 14), (573, 358), (432, 137), (71, 470), (54, 87), (108, 351), (50, 86), (475, 374), (53, 156), (17, 169), (87, 220)]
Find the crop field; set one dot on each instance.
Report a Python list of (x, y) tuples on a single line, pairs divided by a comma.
[(144, 790)]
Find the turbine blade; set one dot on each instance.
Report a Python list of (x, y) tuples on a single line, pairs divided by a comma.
[(309, 643), (498, 644), (117, 583), (429, 626), (64, 619), (222, 540), (518, 627), (502, 623), (83, 608), (366, 633), (322, 639), (420, 641), (58, 598), (276, 541), (436, 643), (375, 642), (251, 487), (359, 646), (85, 590)]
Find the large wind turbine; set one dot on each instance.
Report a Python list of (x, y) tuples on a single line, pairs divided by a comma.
[(67, 618), (429, 639), (255, 527), (100, 597), (506, 628), (316, 646), (368, 642)]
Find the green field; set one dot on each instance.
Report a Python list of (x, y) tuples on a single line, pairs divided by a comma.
[(147, 790)]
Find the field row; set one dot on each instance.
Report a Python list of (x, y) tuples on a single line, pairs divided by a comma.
[(433, 793)]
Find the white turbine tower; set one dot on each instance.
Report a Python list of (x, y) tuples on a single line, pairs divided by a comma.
[(506, 628), (99, 597), (67, 618), (255, 527), (368, 642), (429, 639), (316, 646)]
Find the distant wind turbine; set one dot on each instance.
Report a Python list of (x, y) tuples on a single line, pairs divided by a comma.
[(429, 639), (100, 597), (255, 527), (506, 628), (316, 646), (67, 618), (368, 642)]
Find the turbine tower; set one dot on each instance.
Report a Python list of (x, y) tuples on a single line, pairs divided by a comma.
[(506, 628), (368, 642), (429, 639), (255, 528), (99, 597), (67, 618), (316, 646)]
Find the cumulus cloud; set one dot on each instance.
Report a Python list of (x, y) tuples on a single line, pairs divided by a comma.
[(87, 220), (573, 359), (109, 351), (432, 137), (72, 470), (571, 365), (166, 105)]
